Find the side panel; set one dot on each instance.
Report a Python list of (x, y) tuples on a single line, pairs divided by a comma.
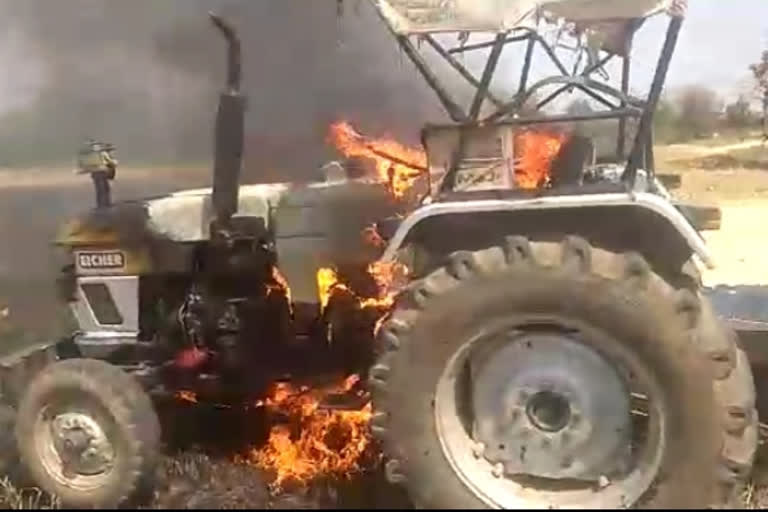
[(323, 227)]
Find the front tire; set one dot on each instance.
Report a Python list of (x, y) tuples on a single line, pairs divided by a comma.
[(87, 433), (588, 330)]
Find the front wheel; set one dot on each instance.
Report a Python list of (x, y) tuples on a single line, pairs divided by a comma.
[(87, 433), (544, 375)]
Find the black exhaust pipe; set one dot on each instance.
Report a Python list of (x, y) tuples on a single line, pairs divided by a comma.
[(229, 134)]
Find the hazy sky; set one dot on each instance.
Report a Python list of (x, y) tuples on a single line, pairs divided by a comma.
[(720, 39)]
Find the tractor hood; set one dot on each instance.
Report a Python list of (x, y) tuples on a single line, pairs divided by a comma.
[(179, 217), (185, 217)]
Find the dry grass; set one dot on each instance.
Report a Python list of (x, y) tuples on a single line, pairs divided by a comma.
[(14, 498), (196, 481), (755, 494), (735, 178), (714, 175)]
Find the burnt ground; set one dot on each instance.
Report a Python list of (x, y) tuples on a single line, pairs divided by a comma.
[(197, 470)]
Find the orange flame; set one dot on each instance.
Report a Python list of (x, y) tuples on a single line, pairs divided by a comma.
[(186, 396), (327, 283), (314, 442), (536, 152), (385, 274), (397, 165), (379, 324), (280, 285), (281, 282)]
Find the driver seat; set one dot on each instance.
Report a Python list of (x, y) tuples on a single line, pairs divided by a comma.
[(572, 160)]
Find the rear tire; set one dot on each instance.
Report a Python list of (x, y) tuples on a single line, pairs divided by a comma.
[(703, 378), (88, 433)]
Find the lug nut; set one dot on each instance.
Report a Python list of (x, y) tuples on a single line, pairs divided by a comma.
[(498, 470), (478, 449)]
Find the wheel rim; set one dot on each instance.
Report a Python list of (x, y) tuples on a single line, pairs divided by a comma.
[(540, 414), (74, 447)]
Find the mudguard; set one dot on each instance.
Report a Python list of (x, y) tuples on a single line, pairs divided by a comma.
[(646, 201)]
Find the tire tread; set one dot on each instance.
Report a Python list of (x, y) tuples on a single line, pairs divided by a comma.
[(732, 380)]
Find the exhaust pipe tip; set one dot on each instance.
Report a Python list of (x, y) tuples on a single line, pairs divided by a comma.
[(234, 66), (229, 132)]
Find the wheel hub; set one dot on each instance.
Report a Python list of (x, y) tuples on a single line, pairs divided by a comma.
[(81, 444), (548, 411), (546, 405)]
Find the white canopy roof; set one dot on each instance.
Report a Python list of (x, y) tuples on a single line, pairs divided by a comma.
[(419, 16)]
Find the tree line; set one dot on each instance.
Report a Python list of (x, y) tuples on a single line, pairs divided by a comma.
[(699, 112), (696, 112)]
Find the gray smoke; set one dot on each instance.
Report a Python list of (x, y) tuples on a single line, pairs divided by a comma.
[(145, 75)]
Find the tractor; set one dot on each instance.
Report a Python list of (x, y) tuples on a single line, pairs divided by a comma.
[(553, 346)]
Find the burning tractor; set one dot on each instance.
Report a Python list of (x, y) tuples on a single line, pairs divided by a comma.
[(541, 335)]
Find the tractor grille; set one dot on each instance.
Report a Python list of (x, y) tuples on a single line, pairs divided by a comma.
[(102, 304)]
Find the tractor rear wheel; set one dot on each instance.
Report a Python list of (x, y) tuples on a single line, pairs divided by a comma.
[(551, 375)]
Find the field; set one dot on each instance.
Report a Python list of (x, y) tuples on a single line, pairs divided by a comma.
[(735, 178), (33, 202)]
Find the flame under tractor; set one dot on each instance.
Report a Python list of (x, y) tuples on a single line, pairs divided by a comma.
[(553, 346)]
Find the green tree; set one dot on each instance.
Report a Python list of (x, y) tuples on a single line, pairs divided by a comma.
[(760, 72)]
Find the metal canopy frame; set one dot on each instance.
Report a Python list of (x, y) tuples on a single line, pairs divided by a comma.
[(619, 103)]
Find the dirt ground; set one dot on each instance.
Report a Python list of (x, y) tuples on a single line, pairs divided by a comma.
[(34, 201), (741, 192)]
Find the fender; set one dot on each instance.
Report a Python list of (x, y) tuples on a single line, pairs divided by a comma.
[(652, 202), (17, 368)]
